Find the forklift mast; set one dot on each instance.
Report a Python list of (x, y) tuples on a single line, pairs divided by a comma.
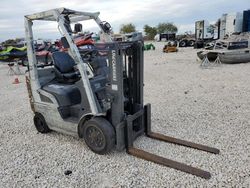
[(130, 117), (126, 87)]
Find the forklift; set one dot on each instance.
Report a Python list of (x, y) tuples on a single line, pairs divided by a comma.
[(95, 93)]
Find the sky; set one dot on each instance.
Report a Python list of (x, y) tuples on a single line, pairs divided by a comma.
[(182, 13)]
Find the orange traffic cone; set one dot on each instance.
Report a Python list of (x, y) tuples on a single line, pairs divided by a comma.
[(16, 81)]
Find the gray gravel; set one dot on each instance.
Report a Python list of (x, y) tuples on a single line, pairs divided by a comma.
[(208, 106)]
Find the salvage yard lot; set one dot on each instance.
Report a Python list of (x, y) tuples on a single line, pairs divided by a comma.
[(207, 106)]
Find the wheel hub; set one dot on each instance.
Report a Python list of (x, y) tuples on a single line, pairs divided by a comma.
[(95, 137)]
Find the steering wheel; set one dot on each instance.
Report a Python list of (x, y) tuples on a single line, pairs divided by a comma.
[(88, 54)]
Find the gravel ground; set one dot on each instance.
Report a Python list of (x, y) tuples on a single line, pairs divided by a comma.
[(208, 106)]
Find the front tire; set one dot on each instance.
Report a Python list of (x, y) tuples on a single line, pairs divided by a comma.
[(99, 135)]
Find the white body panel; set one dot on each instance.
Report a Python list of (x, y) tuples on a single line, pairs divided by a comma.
[(231, 23), (54, 120)]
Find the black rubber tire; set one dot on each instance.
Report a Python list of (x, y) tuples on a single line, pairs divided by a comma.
[(40, 123), (191, 43), (99, 135), (183, 43)]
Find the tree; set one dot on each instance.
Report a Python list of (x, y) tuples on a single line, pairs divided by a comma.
[(167, 28), (127, 28), (150, 31)]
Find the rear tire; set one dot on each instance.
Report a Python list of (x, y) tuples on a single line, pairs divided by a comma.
[(191, 43), (183, 43), (40, 123), (99, 135)]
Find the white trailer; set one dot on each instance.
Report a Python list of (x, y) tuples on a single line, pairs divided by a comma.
[(203, 30), (230, 23)]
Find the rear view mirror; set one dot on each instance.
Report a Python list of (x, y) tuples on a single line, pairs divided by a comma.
[(64, 42), (105, 26), (78, 28)]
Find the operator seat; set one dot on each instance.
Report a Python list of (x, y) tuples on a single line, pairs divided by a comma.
[(64, 68), (63, 87)]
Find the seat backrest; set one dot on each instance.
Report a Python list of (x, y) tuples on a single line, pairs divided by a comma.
[(63, 62)]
